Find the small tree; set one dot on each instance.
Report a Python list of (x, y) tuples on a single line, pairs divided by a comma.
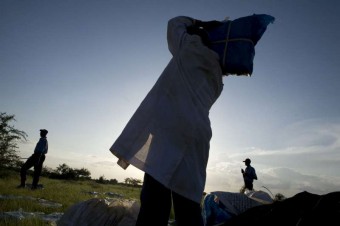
[(82, 173), (279, 197), (127, 180), (63, 169), (9, 136), (102, 180), (132, 181), (113, 181), (135, 182), (47, 171)]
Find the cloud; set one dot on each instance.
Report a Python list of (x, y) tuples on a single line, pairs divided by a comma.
[(307, 159), (312, 132), (289, 182)]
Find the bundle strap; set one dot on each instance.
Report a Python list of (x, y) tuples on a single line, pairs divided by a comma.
[(226, 45)]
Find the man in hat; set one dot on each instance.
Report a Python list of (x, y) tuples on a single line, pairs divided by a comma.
[(37, 159), (249, 175)]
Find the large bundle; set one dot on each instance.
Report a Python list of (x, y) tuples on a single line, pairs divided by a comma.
[(234, 40), (94, 212)]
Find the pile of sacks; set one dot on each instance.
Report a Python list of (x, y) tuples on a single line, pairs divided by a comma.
[(217, 207), (94, 212)]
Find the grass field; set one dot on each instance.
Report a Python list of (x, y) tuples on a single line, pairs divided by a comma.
[(64, 192)]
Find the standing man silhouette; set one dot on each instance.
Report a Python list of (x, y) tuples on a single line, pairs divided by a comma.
[(37, 159), (168, 137), (249, 175)]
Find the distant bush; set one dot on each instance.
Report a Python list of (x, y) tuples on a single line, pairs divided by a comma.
[(279, 197), (65, 172), (132, 181), (102, 180)]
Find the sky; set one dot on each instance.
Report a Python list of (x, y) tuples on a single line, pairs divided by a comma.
[(80, 69)]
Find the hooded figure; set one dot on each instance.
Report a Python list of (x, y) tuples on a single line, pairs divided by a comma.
[(168, 137)]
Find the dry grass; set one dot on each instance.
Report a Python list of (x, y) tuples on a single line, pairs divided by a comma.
[(64, 192)]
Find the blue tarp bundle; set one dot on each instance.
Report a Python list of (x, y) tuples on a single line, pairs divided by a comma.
[(234, 41), (214, 212)]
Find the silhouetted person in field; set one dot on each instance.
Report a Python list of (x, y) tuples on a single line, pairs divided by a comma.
[(36, 160), (249, 175), (169, 134)]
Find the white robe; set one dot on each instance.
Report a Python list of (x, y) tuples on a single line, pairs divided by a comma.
[(169, 135)]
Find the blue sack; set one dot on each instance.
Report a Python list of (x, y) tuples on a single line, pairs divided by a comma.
[(214, 213), (234, 41)]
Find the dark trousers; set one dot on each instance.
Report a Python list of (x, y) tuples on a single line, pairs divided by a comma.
[(156, 201), (37, 161), (248, 185)]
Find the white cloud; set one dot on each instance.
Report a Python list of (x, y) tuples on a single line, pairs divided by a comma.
[(312, 132), (307, 159)]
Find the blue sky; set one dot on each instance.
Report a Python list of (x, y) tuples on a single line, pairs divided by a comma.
[(81, 68)]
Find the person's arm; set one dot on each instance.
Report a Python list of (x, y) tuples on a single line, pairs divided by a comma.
[(46, 148), (254, 175), (250, 173), (177, 32)]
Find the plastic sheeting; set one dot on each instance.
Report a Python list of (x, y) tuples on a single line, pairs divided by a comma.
[(213, 211), (94, 212), (259, 196), (51, 218), (20, 214)]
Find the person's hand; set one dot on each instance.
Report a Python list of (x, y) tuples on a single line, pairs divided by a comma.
[(200, 28), (196, 30)]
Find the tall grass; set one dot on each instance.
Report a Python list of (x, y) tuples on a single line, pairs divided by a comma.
[(64, 192)]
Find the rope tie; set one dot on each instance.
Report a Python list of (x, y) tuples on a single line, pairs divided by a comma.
[(230, 40), (226, 45)]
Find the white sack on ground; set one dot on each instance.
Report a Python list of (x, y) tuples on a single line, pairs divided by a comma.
[(94, 212)]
